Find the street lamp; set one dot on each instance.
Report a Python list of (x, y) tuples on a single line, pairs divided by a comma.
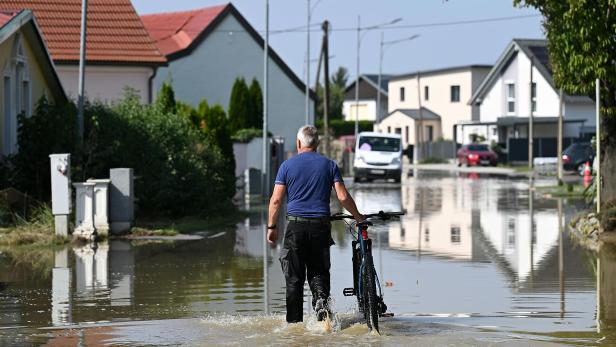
[(384, 46), (309, 10), (359, 38)]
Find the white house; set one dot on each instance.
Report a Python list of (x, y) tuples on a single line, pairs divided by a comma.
[(120, 53), (366, 107), (27, 73), (442, 92), (504, 99), (208, 48)]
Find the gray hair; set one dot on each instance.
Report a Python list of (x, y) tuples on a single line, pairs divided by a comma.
[(308, 135)]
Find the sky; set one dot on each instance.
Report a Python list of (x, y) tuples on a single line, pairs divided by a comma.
[(436, 47)]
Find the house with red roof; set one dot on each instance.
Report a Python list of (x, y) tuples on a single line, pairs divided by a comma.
[(120, 52), (208, 48), (26, 71)]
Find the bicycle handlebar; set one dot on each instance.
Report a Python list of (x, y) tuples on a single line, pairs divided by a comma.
[(381, 215)]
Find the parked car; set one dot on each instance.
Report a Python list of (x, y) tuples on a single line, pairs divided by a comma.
[(576, 155), (377, 155), (476, 154)]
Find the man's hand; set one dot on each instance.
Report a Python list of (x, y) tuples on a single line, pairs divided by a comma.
[(359, 218), (272, 236)]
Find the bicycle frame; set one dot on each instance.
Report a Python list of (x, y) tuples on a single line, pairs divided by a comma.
[(365, 249)]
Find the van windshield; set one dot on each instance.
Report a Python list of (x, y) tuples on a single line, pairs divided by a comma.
[(379, 144)]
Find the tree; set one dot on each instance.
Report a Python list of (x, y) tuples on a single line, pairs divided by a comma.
[(582, 48), (166, 98), (338, 85), (239, 105), (217, 131), (256, 105)]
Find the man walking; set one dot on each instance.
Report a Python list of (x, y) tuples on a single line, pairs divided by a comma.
[(307, 179)]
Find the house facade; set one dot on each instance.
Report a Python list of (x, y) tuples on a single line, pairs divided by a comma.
[(407, 123), (444, 92), (366, 107), (207, 49), (120, 52), (505, 99), (27, 73)]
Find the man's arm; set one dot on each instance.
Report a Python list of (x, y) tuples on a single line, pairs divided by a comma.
[(274, 211), (347, 200)]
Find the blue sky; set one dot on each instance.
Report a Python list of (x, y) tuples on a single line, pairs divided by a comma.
[(438, 46)]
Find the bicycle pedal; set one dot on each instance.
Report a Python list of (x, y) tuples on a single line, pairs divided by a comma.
[(348, 291), (387, 314)]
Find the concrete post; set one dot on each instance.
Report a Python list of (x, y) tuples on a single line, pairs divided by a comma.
[(101, 206), (121, 200), (84, 213)]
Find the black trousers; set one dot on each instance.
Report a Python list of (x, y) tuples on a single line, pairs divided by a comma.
[(305, 251)]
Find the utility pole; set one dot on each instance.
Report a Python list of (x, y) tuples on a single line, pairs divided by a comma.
[(421, 127), (308, 10), (326, 83), (357, 80), (559, 140), (378, 83), (530, 118), (598, 142), (82, 67), (264, 187)]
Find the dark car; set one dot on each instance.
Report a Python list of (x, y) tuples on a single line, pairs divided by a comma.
[(476, 154), (577, 155)]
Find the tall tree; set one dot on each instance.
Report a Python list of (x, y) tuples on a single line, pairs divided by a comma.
[(217, 130), (338, 85), (582, 45), (166, 98), (256, 105), (239, 105)]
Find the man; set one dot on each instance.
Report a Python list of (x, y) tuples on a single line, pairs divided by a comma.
[(307, 179)]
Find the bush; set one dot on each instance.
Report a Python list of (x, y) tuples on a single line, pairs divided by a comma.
[(608, 216), (178, 170), (246, 135), (339, 127)]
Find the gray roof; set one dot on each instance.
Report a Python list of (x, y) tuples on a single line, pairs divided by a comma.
[(440, 71), (534, 49), (413, 113), (373, 79)]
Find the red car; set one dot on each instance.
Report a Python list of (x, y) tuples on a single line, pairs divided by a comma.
[(475, 154)]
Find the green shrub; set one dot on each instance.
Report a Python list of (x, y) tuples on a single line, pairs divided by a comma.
[(433, 160), (339, 127), (246, 135)]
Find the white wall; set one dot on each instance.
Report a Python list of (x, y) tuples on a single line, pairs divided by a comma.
[(439, 101), (106, 83), (211, 69), (367, 110)]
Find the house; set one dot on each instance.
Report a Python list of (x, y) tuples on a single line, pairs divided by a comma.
[(208, 48), (28, 73), (443, 94), (120, 52), (368, 91), (504, 101)]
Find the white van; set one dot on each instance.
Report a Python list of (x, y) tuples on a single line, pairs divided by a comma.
[(377, 155)]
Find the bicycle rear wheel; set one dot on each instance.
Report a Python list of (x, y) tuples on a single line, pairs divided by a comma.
[(370, 301)]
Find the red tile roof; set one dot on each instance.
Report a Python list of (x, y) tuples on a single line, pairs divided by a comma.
[(115, 32), (176, 31), (6, 16)]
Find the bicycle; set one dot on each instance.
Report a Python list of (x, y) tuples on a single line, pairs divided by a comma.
[(365, 279)]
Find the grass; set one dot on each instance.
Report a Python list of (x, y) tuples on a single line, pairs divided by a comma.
[(516, 168), (186, 225), (563, 191), (37, 230), (433, 161)]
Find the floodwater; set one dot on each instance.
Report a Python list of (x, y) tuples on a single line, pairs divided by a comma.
[(477, 260)]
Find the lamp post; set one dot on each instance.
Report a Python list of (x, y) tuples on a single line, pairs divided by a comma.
[(359, 38), (264, 189), (384, 46)]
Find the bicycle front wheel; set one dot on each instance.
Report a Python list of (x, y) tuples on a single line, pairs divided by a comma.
[(370, 302)]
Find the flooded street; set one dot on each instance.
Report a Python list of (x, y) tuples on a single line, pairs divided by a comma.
[(476, 261)]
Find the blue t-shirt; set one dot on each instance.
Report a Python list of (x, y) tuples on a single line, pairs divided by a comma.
[(309, 178)]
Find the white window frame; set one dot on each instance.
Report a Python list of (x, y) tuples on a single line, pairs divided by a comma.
[(510, 99), (458, 95)]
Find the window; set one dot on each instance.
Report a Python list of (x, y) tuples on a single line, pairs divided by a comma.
[(510, 98), (426, 93), (401, 93), (389, 130), (399, 131), (430, 129), (427, 235), (533, 92), (406, 134), (455, 93), (455, 234)]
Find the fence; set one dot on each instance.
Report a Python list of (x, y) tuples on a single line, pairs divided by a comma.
[(436, 150), (517, 149)]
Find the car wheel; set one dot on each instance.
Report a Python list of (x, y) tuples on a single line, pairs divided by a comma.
[(355, 179)]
